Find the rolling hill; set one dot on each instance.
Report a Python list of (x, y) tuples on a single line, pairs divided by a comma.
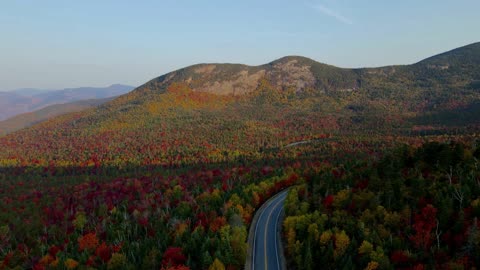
[(28, 119), (28, 100), (11, 104)]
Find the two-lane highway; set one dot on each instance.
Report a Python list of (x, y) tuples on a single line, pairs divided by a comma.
[(266, 252)]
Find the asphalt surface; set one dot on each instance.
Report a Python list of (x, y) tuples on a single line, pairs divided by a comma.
[(267, 251)]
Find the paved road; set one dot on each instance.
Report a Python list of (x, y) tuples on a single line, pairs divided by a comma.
[(266, 252)]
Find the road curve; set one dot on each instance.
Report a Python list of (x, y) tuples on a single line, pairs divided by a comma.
[(267, 253)]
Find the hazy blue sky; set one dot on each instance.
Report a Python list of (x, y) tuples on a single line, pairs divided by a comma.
[(57, 44)]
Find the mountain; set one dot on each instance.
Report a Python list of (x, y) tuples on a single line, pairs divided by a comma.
[(28, 100), (268, 106), (458, 68), (291, 72), (441, 84), (28, 119)]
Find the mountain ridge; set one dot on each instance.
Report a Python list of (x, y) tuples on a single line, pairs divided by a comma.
[(322, 72), (472, 49), (302, 74)]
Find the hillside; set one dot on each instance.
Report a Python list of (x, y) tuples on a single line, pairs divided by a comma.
[(269, 106), (422, 86), (28, 100), (405, 95), (28, 119)]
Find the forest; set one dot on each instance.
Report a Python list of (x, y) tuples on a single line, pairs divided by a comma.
[(413, 208)]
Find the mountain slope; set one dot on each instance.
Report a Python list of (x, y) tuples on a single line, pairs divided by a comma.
[(467, 57), (457, 69), (232, 107)]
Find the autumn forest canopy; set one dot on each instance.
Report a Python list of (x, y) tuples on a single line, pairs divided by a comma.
[(383, 166)]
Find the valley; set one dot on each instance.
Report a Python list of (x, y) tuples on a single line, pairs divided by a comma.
[(382, 165)]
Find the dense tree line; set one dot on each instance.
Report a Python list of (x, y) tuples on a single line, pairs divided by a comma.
[(413, 208)]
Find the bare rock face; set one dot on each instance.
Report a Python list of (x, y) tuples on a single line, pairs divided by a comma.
[(220, 79), (291, 73), (238, 84), (234, 79), (282, 75), (205, 69)]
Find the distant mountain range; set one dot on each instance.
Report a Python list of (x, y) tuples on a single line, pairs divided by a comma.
[(27, 100), (29, 91)]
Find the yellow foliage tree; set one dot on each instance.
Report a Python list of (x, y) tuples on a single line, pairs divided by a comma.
[(217, 265), (291, 239), (342, 241), (365, 248), (325, 237)]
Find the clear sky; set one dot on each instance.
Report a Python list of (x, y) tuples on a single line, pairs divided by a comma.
[(58, 44)]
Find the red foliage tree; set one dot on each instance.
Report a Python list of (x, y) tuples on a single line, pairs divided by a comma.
[(425, 221), (399, 258), (327, 202), (173, 256), (104, 252)]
